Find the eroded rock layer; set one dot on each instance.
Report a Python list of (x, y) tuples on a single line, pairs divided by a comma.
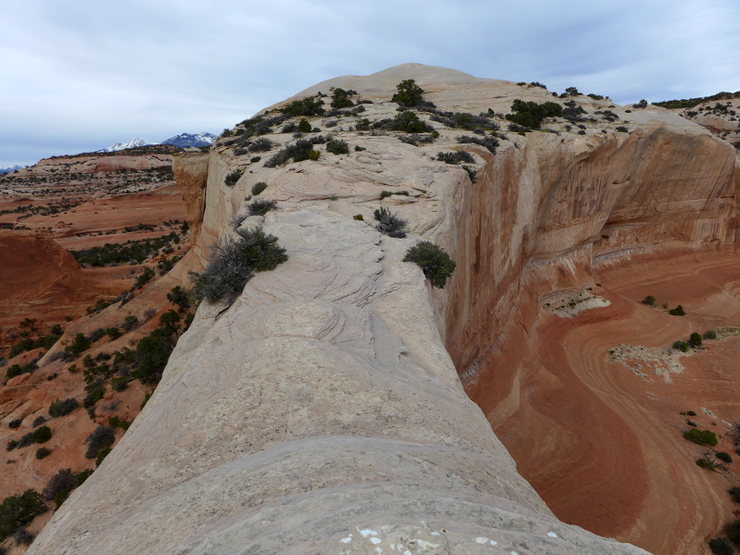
[(322, 412)]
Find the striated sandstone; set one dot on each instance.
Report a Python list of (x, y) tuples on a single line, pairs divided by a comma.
[(322, 412)]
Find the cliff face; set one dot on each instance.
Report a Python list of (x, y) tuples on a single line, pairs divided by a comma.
[(322, 411)]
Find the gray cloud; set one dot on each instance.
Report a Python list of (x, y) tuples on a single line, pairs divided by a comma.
[(77, 76)]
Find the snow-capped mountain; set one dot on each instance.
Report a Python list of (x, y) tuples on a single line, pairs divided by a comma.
[(10, 169), (122, 146), (184, 140)]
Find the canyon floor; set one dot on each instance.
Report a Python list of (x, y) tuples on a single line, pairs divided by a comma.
[(595, 415)]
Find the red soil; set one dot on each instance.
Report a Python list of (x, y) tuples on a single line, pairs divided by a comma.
[(603, 446)]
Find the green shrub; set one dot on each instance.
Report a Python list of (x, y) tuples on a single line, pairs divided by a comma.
[(258, 187), (409, 122), (231, 179), (340, 99), (80, 344), (101, 455), (42, 434), (704, 463), (489, 142), (143, 278), (25, 440), (15, 424), (123, 253), (622, 129), (304, 126), (95, 393), (117, 422), (721, 455), (18, 510), (680, 346), (389, 224), (358, 217), (130, 322), (720, 546), (695, 340), (261, 206), (59, 486), (710, 334), (235, 262), (649, 300), (263, 144), (457, 157), (314, 155), (701, 437), (151, 356), (119, 383), (62, 408), (337, 147), (179, 296), (308, 107), (409, 94), (733, 532), (433, 260), (42, 452), (531, 114), (100, 438), (45, 342), (734, 493), (298, 151), (17, 370), (678, 311)]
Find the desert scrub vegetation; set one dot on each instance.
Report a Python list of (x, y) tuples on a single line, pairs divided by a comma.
[(308, 107), (341, 98), (261, 206), (45, 342), (678, 311), (337, 146), (701, 437), (16, 511), (531, 114), (234, 262), (125, 253), (389, 224), (100, 438), (61, 484), (59, 408), (258, 187), (457, 157), (489, 142), (408, 122), (299, 151), (232, 177), (408, 94), (433, 260), (463, 120)]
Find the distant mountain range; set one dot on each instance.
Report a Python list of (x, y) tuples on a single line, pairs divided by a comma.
[(10, 169), (183, 140)]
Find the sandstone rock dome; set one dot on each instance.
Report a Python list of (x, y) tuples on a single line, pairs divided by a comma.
[(323, 411)]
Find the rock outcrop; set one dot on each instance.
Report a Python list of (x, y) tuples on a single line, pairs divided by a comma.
[(322, 411)]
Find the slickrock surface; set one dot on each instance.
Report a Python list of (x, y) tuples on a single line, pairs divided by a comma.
[(322, 411)]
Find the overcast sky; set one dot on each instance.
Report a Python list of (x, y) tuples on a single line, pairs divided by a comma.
[(80, 75)]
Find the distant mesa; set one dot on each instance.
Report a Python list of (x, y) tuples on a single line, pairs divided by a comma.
[(183, 140)]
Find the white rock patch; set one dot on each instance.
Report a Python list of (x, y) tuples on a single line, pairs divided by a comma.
[(569, 302)]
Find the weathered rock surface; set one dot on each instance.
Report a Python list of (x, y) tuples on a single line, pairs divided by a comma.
[(321, 412)]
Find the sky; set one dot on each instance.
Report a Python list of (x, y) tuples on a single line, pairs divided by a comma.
[(77, 75)]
